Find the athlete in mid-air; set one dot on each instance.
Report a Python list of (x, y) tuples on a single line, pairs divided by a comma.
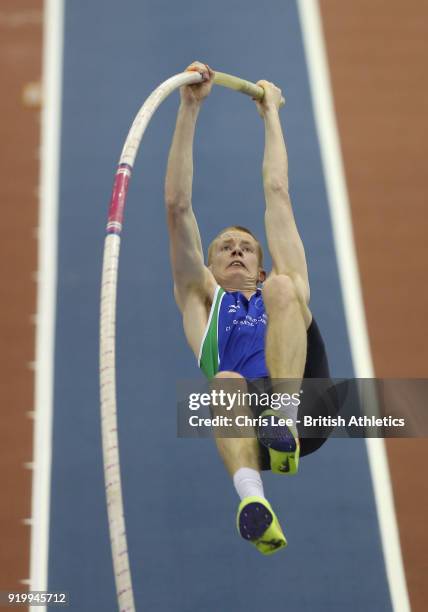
[(235, 329)]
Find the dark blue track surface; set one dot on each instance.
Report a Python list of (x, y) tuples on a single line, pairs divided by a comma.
[(180, 505)]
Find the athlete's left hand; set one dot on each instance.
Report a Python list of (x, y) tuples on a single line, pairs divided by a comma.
[(271, 100)]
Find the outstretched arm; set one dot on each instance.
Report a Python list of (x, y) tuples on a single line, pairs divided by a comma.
[(285, 244), (187, 258)]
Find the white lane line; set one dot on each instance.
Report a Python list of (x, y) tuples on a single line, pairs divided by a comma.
[(322, 101), (46, 292)]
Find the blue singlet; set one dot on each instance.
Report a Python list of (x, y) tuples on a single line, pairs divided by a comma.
[(234, 338)]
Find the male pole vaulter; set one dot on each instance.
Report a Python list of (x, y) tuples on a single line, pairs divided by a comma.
[(236, 330)]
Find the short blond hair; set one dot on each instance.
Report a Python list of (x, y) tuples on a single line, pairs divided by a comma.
[(236, 228)]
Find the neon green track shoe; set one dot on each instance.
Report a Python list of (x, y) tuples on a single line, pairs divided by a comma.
[(282, 443), (257, 523)]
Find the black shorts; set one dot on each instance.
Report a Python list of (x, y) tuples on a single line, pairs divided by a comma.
[(320, 404)]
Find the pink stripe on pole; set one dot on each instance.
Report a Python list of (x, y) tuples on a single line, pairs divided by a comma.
[(117, 203)]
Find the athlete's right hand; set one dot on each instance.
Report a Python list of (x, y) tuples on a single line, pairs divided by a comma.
[(195, 94)]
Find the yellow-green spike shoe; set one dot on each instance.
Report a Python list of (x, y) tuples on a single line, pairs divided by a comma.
[(257, 523), (282, 443)]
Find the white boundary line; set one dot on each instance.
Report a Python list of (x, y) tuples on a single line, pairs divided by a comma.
[(322, 100), (46, 294)]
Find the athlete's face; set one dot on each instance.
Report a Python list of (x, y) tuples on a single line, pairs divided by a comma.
[(235, 260)]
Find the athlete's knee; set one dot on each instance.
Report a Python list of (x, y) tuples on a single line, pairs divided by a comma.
[(279, 292), (229, 381), (226, 383), (229, 374)]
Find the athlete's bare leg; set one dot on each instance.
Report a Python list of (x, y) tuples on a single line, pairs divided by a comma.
[(236, 452), (286, 340), (256, 520)]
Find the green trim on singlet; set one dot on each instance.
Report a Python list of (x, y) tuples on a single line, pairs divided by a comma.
[(208, 356)]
